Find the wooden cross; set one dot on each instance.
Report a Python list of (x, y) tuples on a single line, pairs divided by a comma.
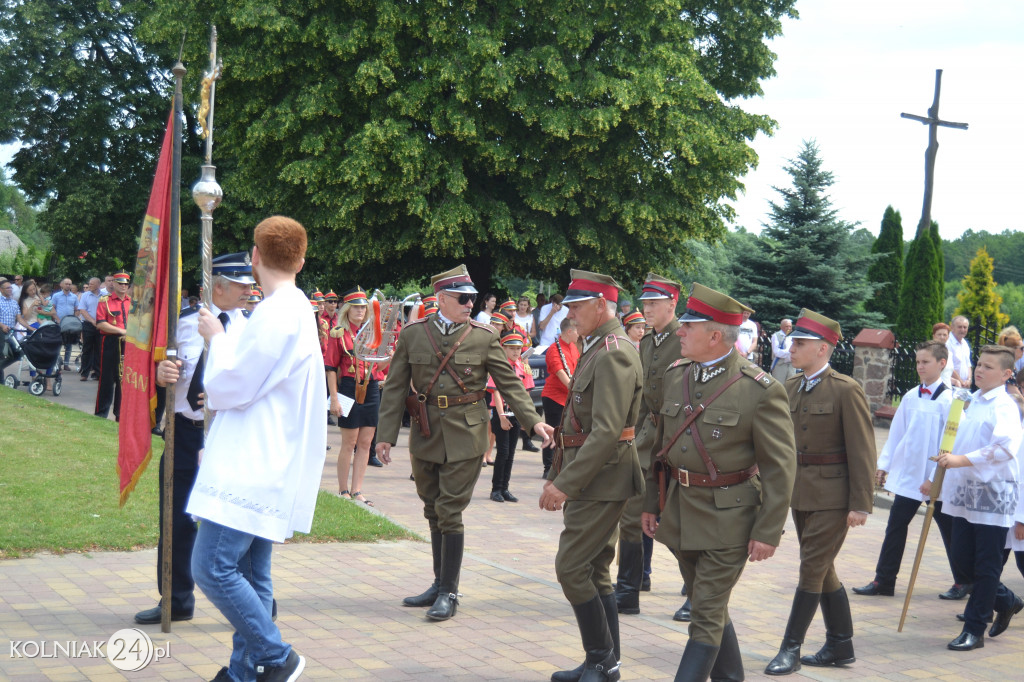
[(933, 122)]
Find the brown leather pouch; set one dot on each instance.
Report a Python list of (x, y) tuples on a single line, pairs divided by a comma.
[(360, 393), (418, 413)]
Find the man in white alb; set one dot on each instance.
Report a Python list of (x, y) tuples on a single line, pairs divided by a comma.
[(258, 479)]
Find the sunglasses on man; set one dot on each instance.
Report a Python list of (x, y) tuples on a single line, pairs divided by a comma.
[(464, 298)]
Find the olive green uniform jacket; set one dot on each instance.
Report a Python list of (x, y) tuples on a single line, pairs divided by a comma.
[(605, 396), (655, 360), (458, 432), (747, 424), (832, 418)]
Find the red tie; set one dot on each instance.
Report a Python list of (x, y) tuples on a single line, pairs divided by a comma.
[(923, 391)]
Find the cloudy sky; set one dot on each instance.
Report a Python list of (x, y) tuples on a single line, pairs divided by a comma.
[(846, 70)]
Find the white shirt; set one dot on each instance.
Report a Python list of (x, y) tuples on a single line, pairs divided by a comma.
[(483, 317), (265, 451), (960, 357), (551, 331), (15, 290), (781, 345), (1011, 538), (747, 339), (990, 436), (914, 437), (190, 349), (526, 322)]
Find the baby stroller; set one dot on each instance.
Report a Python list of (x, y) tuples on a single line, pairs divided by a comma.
[(41, 349)]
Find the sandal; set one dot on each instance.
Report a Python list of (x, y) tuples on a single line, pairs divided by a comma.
[(358, 494), (345, 495)]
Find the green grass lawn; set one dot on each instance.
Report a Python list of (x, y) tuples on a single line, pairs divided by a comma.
[(59, 488)]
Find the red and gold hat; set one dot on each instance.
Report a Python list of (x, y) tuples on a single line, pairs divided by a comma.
[(313, 302), (812, 325), (586, 285), (255, 295), (657, 287), (317, 296), (635, 317), (500, 317), (707, 305), (508, 305), (122, 278), (429, 304), (330, 296), (512, 338), (455, 281), (355, 296)]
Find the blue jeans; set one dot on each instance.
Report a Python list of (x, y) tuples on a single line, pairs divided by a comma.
[(233, 570)]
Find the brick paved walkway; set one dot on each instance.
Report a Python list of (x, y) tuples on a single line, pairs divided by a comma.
[(340, 604)]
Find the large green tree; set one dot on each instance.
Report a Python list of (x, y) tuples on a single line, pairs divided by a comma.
[(88, 102), (522, 137), (807, 256), (921, 296), (887, 271)]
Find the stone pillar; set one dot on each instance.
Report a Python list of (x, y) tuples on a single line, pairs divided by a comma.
[(872, 365)]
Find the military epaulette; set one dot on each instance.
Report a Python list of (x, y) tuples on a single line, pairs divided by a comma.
[(103, 298), (188, 311), (481, 325), (681, 362), (337, 332), (418, 320), (762, 377)]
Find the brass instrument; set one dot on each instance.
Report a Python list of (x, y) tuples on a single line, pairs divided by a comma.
[(375, 340)]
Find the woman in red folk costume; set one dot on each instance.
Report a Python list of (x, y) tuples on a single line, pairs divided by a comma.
[(355, 378)]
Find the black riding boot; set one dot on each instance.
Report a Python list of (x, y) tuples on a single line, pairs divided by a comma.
[(430, 596), (729, 664), (787, 661), (838, 648), (631, 573), (696, 663), (448, 588), (611, 613)]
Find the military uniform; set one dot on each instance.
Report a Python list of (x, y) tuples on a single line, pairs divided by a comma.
[(743, 426), (658, 350), (836, 458), (113, 310), (446, 464), (596, 468)]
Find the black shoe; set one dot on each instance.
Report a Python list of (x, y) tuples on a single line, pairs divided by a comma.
[(496, 496), (273, 611), (530, 447), (957, 592), (874, 588), (961, 617), (1002, 620), (509, 497), (374, 462), (965, 641), (152, 616), (838, 647), (683, 614), (430, 596), (157, 431), (223, 676), (805, 605), (286, 672), (447, 600)]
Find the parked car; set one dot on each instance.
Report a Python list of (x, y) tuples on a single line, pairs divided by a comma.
[(539, 369)]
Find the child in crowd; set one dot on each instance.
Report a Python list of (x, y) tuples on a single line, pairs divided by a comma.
[(503, 423), (914, 436), (980, 492)]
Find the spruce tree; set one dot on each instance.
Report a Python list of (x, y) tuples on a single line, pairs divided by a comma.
[(805, 257), (920, 296), (887, 271), (978, 300), (940, 271)]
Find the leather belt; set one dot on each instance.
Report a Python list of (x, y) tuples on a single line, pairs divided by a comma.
[(197, 423), (445, 401), (688, 478), (837, 458), (577, 440)]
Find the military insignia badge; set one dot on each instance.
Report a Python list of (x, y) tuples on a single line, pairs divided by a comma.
[(467, 371), (716, 434), (578, 398)]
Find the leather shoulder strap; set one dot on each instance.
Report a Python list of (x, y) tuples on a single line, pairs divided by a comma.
[(690, 418), (445, 359)]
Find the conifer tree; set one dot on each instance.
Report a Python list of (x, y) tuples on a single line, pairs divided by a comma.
[(920, 296), (978, 300), (887, 271)]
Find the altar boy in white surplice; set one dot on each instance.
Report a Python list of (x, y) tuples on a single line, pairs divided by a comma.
[(258, 480)]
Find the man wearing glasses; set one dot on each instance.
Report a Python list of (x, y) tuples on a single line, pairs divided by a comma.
[(447, 357)]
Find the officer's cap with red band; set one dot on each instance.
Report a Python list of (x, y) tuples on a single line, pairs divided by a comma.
[(455, 281), (656, 287), (586, 285), (812, 325), (707, 305)]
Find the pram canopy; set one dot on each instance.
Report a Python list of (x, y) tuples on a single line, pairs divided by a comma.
[(42, 347)]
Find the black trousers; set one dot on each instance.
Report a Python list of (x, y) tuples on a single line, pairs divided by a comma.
[(505, 451), (188, 441), (979, 552), (90, 349), (891, 556), (109, 390), (553, 418)]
